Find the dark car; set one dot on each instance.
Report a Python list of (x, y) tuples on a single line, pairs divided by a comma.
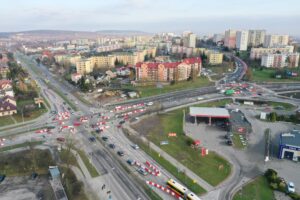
[(121, 153), (104, 138), (130, 162), (122, 122), (112, 146), (229, 142), (2, 177), (33, 176), (92, 139)]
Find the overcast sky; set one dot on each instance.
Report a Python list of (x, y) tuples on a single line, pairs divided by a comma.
[(200, 16)]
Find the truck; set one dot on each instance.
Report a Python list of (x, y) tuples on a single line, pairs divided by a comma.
[(229, 92)]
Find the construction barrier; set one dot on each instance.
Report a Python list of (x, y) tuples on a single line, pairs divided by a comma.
[(168, 191)]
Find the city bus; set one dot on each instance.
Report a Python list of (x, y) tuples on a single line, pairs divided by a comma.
[(181, 190)]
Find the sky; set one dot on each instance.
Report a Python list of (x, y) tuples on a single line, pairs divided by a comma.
[(199, 16)]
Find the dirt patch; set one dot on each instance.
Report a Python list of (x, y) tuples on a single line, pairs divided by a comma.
[(149, 125), (23, 188)]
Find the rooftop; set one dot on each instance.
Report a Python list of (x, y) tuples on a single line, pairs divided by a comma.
[(292, 138), (209, 112)]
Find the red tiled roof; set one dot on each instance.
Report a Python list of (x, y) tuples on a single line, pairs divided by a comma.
[(169, 64), (4, 82)]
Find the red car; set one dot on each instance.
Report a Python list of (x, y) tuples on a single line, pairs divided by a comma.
[(60, 139)]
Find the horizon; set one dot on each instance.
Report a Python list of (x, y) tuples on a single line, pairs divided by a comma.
[(152, 16)]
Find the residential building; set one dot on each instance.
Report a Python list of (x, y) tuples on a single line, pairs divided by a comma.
[(67, 59), (280, 60), (84, 66), (168, 71), (7, 106), (189, 39), (4, 70), (276, 40), (5, 84), (215, 58), (256, 53), (75, 77), (256, 37), (218, 38), (242, 40), (230, 39)]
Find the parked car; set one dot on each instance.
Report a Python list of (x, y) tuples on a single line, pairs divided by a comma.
[(121, 153), (2, 177), (104, 138), (92, 139), (291, 187), (135, 146), (130, 162), (60, 139), (112, 146), (33, 176), (142, 171), (229, 142)]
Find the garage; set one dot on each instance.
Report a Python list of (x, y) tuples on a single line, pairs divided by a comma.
[(289, 146)]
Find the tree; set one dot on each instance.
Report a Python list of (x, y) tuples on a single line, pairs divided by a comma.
[(146, 57), (249, 75), (273, 116), (116, 62), (70, 144)]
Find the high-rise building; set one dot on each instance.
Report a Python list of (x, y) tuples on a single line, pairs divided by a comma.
[(276, 40), (218, 37), (230, 39), (256, 37), (215, 58), (256, 53), (242, 40), (279, 60), (189, 39)]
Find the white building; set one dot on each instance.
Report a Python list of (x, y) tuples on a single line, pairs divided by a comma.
[(189, 39), (242, 40), (256, 37), (218, 37), (279, 60), (276, 40)]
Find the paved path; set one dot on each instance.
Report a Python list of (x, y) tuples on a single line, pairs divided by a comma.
[(82, 166)]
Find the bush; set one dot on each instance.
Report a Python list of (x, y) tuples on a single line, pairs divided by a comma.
[(271, 175), (294, 196), (274, 186)]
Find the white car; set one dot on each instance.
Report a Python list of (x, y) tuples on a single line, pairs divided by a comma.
[(135, 146), (291, 187)]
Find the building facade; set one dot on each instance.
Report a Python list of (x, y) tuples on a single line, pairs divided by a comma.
[(256, 53), (242, 40), (280, 60), (215, 58), (276, 40), (289, 145), (168, 71), (230, 39), (256, 37)]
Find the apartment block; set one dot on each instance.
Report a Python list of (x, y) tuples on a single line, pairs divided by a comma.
[(168, 71), (256, 37), (242, 40), (280, 60), (256, 53), (215, 58), (276, 40), (230, 39)]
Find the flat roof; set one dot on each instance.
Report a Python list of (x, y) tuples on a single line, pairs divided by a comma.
[(209, 112), (292, 138)]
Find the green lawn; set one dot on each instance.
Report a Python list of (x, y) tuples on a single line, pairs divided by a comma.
[(6, 120), (33, 115), (266, 75), (258, 190), (225, 67), (212, 168), (25, 162), (147, 91), (68, 157), (89, 166), (237, 141), (286, 106)]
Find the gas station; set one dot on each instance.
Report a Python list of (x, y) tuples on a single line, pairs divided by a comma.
[(209, 115)]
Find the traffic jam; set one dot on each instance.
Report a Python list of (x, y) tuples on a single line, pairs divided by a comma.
[(239, 89)]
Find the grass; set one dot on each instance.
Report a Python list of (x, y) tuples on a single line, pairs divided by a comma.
[(266, 75), (146, 91), (286, 106), (68, 157), (6, 120), (258, 189), (196, 188), (25, 162), (16, 146), (89, 166), (220, 69), (212, 168), (82, 99), (237, 141), (217, 103), (33, 115)]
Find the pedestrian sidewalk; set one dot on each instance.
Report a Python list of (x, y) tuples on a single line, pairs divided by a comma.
[(82, 166)]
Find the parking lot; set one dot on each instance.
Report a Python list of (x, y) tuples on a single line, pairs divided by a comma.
[(251, 159)]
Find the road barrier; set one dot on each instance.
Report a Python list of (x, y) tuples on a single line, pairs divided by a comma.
[(168, 191)]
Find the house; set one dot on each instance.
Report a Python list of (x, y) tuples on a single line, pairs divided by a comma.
[(76, 77), (5, 84), (7, 106)]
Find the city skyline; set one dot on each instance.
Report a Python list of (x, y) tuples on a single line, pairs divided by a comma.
[(202, 17)]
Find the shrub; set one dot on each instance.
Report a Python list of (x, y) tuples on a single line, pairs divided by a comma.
[(271, 175), (294, 196), (274, 186)]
